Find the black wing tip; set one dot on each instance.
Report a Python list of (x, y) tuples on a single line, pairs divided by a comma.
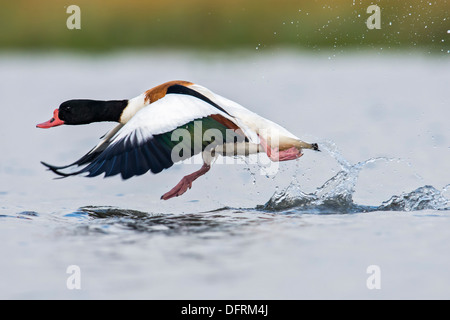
[(52, 168), (315, 146), (124, 158), (49, 166), (55, 169)]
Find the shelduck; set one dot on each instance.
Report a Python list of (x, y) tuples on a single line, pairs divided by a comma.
[(151, 124)]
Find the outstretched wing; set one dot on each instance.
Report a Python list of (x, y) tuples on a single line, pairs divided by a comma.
[(147, 141), (92, 154)]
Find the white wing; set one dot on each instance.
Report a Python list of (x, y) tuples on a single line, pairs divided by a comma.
[(167, 114), (251, 123), (144, 143)]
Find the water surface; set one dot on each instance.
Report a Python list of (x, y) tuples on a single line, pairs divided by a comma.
[(377, 194)]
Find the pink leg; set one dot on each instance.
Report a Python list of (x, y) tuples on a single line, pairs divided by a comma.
[(185, 183), (276, 155), (289, 154)]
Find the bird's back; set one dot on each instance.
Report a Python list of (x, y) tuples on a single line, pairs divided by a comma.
[(252, 124)]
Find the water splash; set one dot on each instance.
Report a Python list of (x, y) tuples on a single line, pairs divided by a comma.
[(336, 194), (426, 197)]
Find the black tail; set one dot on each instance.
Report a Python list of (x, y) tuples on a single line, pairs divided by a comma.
[(315, 146)]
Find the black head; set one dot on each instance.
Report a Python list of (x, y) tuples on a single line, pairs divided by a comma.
[(88, 111), (73, 112)]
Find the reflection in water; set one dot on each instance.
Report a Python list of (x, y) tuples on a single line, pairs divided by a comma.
[(220, 220), (287, 204), (335, 196)]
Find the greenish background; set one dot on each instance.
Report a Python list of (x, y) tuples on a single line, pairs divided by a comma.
[(230, 24)]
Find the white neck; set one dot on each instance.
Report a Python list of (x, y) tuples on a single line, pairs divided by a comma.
[(134, 105)]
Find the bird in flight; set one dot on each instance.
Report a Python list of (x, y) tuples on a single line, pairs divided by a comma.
[(147, 137)]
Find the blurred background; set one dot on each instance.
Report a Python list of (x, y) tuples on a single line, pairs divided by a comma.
[(376, 100), (232, 24)]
